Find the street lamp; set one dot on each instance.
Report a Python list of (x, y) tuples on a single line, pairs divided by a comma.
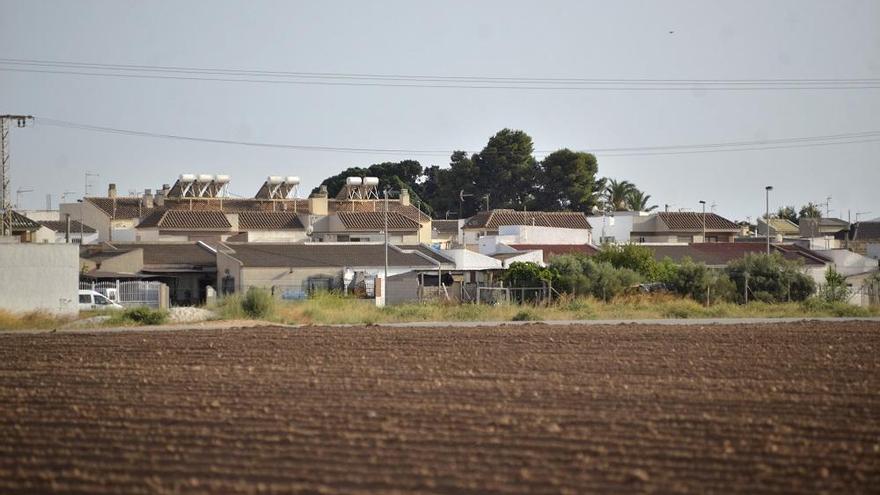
[(767, 189), (704, 219)]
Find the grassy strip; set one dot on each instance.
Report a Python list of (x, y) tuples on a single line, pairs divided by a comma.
[(335, 309), (32, 320)]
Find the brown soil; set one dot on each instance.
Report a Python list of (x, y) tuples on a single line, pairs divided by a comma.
[(538, 409)]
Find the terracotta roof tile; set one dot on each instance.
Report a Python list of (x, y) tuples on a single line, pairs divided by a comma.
[(496, 218), (186, 220), (61, 226), (269, 220), (445, 226), (693, 221), (363, 220)]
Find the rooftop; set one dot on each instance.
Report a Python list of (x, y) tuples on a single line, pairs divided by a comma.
[(61, 226), (493, 219), (551, 250), (186, 220), (693, 221), (321, 254), (373, 221)]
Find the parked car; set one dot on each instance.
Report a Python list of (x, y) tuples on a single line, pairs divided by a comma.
[(89, 300)]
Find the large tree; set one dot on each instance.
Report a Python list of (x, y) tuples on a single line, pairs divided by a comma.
[(637, 200), (506, 169), (453, 189), (567, 181), (616, 194), (810, 210), (788, 213)]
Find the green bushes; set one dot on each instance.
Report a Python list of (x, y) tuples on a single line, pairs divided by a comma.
[(526, 315), (835, 288), (770, 279), (140, 315), (577, 274), (526, 274), (639, 259), (258, 303), (698, 282)]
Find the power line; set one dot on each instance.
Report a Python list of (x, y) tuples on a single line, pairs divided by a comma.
[(419, 81), (770, 144)]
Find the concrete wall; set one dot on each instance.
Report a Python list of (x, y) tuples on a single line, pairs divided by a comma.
[(402, 288), (533, 234), (90, 215), (276, 236), (39, 277)]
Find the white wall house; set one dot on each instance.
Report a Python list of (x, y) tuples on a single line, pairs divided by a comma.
[(616, 227)]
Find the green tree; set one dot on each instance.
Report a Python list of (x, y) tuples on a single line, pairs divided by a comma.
[(526, 274), (567, 181), (634, 257), (637, 200), (506, 169), (810, 210), (577, 274), (617, 192), (443, 186), (770, 278), (788, 213), (835, 289)]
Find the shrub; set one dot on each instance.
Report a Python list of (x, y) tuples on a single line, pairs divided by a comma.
[(639, 259), (526, 315), (835, 289), (526, 274), (770, 278), (257, 303), (579, 275), (140, 315)]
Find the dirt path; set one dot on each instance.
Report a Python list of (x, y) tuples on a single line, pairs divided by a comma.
[(531, 409)]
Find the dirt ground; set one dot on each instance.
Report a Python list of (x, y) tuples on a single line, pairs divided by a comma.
[(534, 409)]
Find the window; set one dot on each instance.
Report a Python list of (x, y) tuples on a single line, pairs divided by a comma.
[(711, 238), (85, 299), (342, 238), (101, 300)]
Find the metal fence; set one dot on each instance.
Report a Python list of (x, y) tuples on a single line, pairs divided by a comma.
[(128, 293)]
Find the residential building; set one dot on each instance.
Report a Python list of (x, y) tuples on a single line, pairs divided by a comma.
[(446, 234), (616, 227), (683, 228), (780, 229), (488, 223)]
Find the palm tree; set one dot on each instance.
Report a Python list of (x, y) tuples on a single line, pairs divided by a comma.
[(638, 201), (616, 193)]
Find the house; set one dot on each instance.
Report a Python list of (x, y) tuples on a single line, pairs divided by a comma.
[(293, 271), (187, 268), (446, 234), (824, 233), (683, 227), (56, 231), (25, 229), (488, 223), (548, 251), (616, 227), (863, 238), (191, 210), (780, 229)]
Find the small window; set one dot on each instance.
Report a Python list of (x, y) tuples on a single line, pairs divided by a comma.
[(85, 298), (101, 300), (342, 238)]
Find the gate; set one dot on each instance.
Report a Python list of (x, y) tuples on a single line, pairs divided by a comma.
[(129, 293)]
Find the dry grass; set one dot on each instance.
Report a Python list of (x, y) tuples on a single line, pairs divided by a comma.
[(31, 320), (335, 309)]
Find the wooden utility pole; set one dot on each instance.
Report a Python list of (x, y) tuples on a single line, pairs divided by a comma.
[(5, 203)]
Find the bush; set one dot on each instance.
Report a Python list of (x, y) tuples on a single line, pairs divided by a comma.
[(579, 275), (834, 308), (140, 315), (526, 274), (835, 289), (639, 259), (770, 278), (526, 315), (258, 303)]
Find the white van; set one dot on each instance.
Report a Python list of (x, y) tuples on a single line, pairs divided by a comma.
[(89, 300)]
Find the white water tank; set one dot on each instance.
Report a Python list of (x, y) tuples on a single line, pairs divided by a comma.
[(292, 180), (274, 180), (205, 178), (187, 177), (353, 181), (222, 179), (371, 181)]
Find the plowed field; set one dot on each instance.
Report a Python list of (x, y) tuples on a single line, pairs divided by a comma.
[(536, 409)]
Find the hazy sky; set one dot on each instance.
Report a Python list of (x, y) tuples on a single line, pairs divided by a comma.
[(796, 39)]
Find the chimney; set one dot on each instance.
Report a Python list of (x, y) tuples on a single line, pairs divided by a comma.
[(148, 199), (160, 198), (111, 191), (165, 189), (404, 197), (318, 202)]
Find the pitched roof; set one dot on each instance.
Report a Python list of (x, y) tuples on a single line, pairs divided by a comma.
[(21, 222), (410, 211), (551, 250), (169, 253), (269, 220), (121, 207), (782, 226), (445, 226), (186, 220), (693, 221), (61, 226), (320, 255), (865, 231), (374, 220), (722, 253), (495, 218)]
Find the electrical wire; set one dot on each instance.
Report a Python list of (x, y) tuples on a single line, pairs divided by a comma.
[(419, 81), (769, 144)]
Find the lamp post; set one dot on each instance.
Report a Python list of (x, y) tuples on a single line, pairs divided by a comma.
[(704, 219), (767, 190)]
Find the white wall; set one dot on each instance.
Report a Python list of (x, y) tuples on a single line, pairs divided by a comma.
[(618, 226), (276, 235), (39, 277), (533, 234)]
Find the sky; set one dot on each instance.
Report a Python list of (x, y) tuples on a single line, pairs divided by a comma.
[(699, 39)]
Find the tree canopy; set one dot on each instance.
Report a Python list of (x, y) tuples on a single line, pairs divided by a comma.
[(504, 174)]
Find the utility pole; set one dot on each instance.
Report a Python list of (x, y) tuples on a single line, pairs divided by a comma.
[(767, 217), (704, 220), (5, 205)]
